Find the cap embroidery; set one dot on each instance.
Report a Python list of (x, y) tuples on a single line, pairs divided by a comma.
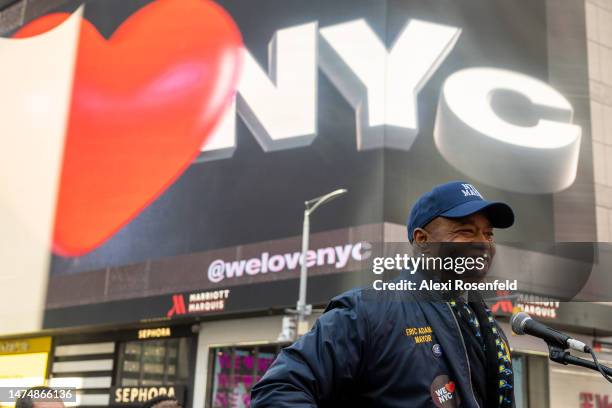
[(470, 190)]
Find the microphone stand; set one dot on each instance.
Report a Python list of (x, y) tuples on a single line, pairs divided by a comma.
[(562, 356)]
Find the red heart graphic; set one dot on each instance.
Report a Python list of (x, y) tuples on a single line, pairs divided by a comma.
[(143, 103), (450, 387)]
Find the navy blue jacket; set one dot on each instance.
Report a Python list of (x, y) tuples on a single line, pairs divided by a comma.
[(373, 349)]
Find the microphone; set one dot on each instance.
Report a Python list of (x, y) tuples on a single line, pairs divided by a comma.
[(522, 323)]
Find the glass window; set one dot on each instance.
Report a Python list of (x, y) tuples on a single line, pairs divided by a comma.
[(235, 371), (154, 362)]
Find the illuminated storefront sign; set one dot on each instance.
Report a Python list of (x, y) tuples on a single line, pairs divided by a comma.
[(15, 346), (199, 302), (138, 395), (23, 362), (537, 306), (594, 400), (30, 345), (154, 333)]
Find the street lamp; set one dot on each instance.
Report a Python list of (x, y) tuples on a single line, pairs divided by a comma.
[(302, 309)]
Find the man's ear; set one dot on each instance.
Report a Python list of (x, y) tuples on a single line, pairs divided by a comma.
[(420, 239), (420, 236)]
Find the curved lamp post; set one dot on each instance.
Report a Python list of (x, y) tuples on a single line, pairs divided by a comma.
[(303, 310)]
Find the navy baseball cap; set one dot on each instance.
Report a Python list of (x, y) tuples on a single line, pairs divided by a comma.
[(455, 200)]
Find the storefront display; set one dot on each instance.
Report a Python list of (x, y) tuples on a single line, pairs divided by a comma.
[(153, 362), (235, 370), (126, 366), (23, 363)]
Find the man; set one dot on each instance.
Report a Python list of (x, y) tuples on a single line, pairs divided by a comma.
[(406, 350), (28, 402)]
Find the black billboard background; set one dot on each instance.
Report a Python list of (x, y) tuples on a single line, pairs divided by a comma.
[(257, 196)]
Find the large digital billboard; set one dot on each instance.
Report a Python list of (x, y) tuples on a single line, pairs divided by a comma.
[(384, 98)]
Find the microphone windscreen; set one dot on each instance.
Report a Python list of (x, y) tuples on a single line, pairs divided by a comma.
[(517, 322)]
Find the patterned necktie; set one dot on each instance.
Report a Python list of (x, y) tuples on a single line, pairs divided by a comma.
[(503, 355)]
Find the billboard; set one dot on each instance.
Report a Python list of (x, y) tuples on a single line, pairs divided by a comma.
[(384, 98)]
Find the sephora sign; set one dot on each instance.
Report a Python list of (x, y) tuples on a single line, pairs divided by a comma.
[(382, 85)]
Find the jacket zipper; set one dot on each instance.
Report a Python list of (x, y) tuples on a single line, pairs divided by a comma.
[(466, 354)]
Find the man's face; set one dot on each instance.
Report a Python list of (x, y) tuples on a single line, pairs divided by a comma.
[(470, 236)]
